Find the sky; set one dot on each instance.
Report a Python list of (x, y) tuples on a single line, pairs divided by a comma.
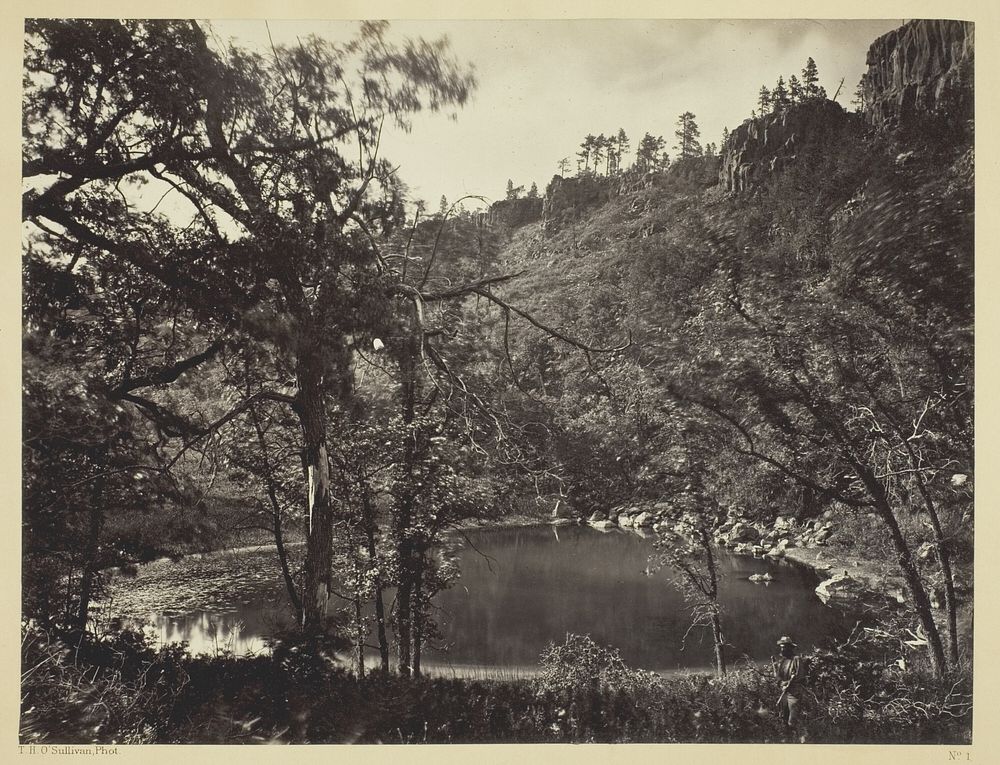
[(543, 85)]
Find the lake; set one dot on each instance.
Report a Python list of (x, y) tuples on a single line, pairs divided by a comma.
[(524, 588)]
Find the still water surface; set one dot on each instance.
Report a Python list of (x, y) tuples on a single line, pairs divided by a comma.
[(525, 588)]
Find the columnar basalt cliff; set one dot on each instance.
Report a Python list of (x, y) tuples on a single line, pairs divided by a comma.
[(764, 145), (925, 66)]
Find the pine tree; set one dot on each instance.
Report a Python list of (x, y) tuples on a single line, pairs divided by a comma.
[(725, 136), (622, 147), (794, 89), (533, 191), (563, 165), (764, 99), (443, 205), (586, 149), (597, 152), (687, 134), (810, 80), (859, 96), (511, 194), (648, 154), (780, 94)]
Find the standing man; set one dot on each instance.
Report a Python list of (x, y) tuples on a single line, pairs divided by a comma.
[(790, 671)]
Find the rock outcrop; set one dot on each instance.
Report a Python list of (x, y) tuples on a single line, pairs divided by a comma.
[(925, 66), (568, 198), (764, 145), (514, 212)]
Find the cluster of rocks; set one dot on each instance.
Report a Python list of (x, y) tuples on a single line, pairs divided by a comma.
[(745, 537), (646, 517)]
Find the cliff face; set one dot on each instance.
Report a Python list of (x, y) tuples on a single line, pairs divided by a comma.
[(514, 212), (762, 146), (924, 66)]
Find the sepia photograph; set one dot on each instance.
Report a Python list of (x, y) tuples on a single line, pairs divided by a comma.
[(497, 381)]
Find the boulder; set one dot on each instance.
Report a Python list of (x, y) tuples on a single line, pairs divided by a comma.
[(783, 523), (775, 552), (844, 591), (563, 522), (603, 525), (758, 550), (644, 520), (596, 516), (841, 590), (744, 532), (743, 548)]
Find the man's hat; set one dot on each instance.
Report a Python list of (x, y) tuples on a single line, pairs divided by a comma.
[(785, 640)]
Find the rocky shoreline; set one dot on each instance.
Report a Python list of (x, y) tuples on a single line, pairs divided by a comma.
[(847, 582)]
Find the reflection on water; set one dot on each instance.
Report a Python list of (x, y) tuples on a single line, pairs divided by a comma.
[(528, 587)]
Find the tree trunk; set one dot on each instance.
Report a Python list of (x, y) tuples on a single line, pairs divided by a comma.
[(418, 615), (720, 646), (383, 642), (90, 564), (279, 537), (713, 593), (279, 543), (403, 623), (369, 520), (914, 586), (944, 560), (404, 515), (91, 561), (359, 636), (319, 543)]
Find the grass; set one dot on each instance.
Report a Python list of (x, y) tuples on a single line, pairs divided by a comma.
[(76, 689)]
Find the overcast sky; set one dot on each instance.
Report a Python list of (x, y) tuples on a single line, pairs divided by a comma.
[(543, 85)]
